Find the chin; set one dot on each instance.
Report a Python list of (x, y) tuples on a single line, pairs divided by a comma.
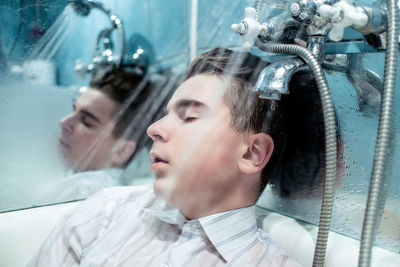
[(158, 189), (162, 188)]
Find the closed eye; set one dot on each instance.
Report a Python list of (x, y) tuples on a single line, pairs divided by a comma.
[(85, 120), (189, 110), (88, 119), (189, 119)]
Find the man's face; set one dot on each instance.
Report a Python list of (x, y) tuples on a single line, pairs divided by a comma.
[(85, 140), (195, 150)]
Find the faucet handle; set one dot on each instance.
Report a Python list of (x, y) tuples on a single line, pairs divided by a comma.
[(343, 14), (249, 28)]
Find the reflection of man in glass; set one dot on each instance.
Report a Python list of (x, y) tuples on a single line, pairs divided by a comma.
[(98, 139), (91, 136)]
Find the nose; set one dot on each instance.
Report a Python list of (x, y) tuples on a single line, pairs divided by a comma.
[(157, 131), (66, 123)]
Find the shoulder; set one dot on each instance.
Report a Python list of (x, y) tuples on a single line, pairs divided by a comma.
[(89, 219)]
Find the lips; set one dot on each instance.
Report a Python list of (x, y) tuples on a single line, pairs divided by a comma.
[(158, 161), (62, 143), (156, 158)]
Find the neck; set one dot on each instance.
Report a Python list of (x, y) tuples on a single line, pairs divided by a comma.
[(201, 209)]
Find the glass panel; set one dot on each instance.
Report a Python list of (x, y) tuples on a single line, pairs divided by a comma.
[(40, 44)]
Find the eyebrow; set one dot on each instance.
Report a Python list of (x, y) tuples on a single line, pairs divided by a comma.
[(186, 103), (87, 113)]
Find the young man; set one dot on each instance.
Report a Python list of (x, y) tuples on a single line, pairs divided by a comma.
[(209, 156)]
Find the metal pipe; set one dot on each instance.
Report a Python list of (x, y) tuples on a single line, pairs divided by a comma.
[(116, 23), (316, 44), (330, 140), (383, 155)]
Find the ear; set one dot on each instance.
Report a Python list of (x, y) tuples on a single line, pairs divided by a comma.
[(259, 151), (122, 151)]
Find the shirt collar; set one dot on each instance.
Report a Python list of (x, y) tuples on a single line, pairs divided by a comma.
[(166, 212), (231, 231)]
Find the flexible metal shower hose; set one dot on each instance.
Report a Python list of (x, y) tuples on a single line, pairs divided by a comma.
[(258, 5), (330, 140), (382, 155)]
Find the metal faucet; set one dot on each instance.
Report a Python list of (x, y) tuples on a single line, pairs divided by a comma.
[(316, 18), (273, 81), (105, 58)]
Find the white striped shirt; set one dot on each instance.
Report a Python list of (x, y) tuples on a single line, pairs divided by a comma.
[(130, 226)]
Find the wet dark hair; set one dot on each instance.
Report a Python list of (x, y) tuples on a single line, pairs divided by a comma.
[(295, 123), (301, 165)]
